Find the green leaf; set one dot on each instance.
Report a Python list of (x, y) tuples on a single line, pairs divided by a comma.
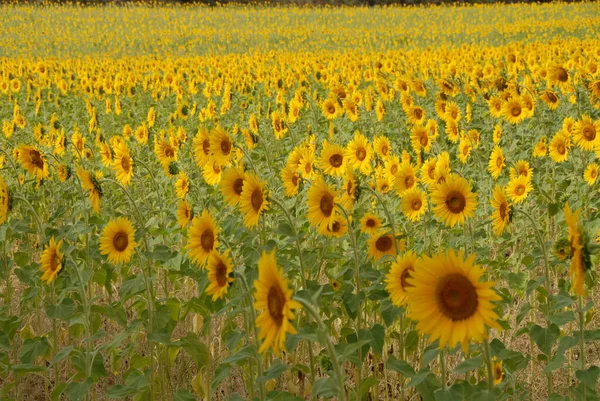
[(389, 312), (183, 395), (544, 337), (98, 369), (161, 253), (420, 377), (399, 366), (246, 352), (21, 259), (377, 338), (556, 363), (324, 387), (221, 373), (274, 371), (62, 354), (119, 391), (33, 348), (197, 350), (78, 390), (131, 287), (588, 377), (26, 368), (562, 318), (63, 311), (468, 365)]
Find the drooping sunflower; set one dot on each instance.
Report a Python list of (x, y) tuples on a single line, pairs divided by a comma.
[(91, 184), (4, 201), (291, 180), (518, 188), (220, 274), (453, 202), (521, 167), (118, 240), (184, 213), (253, 199), (414, 204), (497, 134), (52, 261), (497, 162), (541, 148), (449, 302), (332, 160), (202, 237), (232, 183), (350, 190), (274, 298), (396, 279), (33, 160), (590, 175), (586, 133), (359, 152), (182, 185), (405, 179), (498, 371), (123, 164), (321, 203), (559, 147), (201, 145), (579, 254), (370, 223), (212, 173), (337, 229), (383, 243), (502, 213), (550, 98), (221, 147)]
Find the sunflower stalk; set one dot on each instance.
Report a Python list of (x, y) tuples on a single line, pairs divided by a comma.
[(488, 361)]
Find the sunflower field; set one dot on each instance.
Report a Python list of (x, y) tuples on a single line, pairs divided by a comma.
[(295, 203)]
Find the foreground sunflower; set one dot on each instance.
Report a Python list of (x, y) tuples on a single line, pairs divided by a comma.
[(518, 188), (184, 213), (370, 223), (231, 184), (448, 301), (332, 160), (383, 243), (34, 161), (321, 203), (253, 199), (4, 201), (52, 261), (396, 279), (220, 274), (92, 185), (274, 299), (498, 371), (414, 204), (579, 254), (202, 237), (118, 240), (502, 213), (453, 200)]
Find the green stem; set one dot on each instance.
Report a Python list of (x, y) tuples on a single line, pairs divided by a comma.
[(488, 361), (581, 342)]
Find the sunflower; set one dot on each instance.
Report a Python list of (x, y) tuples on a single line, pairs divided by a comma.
[(522, 168), (396, 279), (34, 161), (405, 179), (92, 185), (495, 104), (497, 162), (220, 274), (279, 124), (551, 99), (331, 109), (497, 134), (253, 199), (414, 204), (123, 164), (513, 110), (579, 253), (370, 223), (201, 144), (586, 133), (232, 183), (448, 301), (559, 147), (202, 237), (221, 147), (453, 200), (291, 180), (182, 185), (382, 147), (502, 213), (338, 228), (321, 203), (306, 163), (332, 160), (419, 139), (464, 149), (351, 109), (518, 188), (379, 109), (350, 190), (590, 175), (383, 243), (165, 152), (452, 131), (212, 173), (558, 75), (541, 148), (498, 371), (428, 171), (118, 240), (184, 213), (359, 152), (5, 202), (274, 298), (52, 261)]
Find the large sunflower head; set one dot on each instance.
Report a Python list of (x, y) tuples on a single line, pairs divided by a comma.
[(201, 144), (118, 240), (34, 161), (359, 152), (332, 160), (321, 203), (383, 243), (291, 180), (497, 162), (513, 110), (52, 261), (232, 183), (397, 278), (502, 213), (123, 164), (518, 188), (253, 199), (559, 147), (370, 223), (449, 302), (414, 204), (274, 298), (202, 237), (220, 274), (221, 147), (184, 213), (586, 133), (405, 179), (453, 200)]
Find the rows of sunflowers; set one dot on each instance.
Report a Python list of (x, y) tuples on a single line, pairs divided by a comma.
[(288, 203)]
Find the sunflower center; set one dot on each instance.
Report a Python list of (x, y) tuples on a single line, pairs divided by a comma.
[(225, 146), (416, 204), (295, 180), (561, 149), (275, 303), (409, 181), (589, 132), (331, 109), (336, 160), (207, 240), (384, 150), (361, 154), (335, 227), (551, 97), (418, 113), (456, 296), (206, 146), (562, 75), (256, 199), (515, 110), (370, 223), (326, 204), (350, 187), (520, 190), (502, 211), (120, 241), (456, 202), (383, 244), (36, 159), (394, 169), (499, 162), (497, 372), (424, 140), (169, 152), (221, 274), (593, 174), (125, 163), (404, 276), (308, 167), (237, 186)]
